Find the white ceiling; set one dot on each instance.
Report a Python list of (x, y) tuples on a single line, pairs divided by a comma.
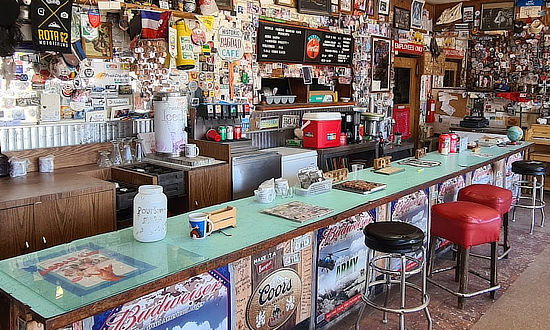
[(439, 2)]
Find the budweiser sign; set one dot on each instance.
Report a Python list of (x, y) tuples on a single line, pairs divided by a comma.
[(340, 231), (275, 300)]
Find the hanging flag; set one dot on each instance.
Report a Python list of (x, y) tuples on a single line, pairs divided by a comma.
[(51, 25), (154, 24)]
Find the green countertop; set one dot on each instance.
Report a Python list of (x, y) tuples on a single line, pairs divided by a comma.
[(50, 296)]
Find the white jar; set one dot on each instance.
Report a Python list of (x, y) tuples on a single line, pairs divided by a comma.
[(150, 213)]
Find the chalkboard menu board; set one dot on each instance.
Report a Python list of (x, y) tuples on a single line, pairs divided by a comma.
[(280, 43), (336, 49), (293, 44)]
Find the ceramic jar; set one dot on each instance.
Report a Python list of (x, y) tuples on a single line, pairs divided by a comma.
[(150, 213)]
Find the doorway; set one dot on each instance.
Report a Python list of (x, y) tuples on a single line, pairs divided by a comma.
[(406, 105)]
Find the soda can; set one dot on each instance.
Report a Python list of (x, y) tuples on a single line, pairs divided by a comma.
[(229, 130), (238, 131), (223, 132)]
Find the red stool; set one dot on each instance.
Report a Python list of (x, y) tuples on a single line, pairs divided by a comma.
[(495, 197), (466, 224)]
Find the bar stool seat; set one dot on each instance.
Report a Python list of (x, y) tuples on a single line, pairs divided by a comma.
[(394, 240), (533, 173), (529, 167), (394, 237), (465, 224), (494, 197)]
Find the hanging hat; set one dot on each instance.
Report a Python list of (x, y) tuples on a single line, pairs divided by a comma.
[(536, 27), (10, 33), (518, 26)]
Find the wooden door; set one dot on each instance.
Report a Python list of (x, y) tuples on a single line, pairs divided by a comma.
[(407, 91), (64, 220), (209, 186), (17, 227)]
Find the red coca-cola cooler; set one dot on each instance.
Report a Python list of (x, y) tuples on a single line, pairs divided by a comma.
[(402, 116), (321, 129)]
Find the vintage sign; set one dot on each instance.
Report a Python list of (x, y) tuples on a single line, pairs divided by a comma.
[(275, 300), (412, 209), (342, 257), (230, 44), (51, 25), (273, 288), (453, 53), (447, 191), (511, 177), (483, 175), (408, 48), (202, 302)]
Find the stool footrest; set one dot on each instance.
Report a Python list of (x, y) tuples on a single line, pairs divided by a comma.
[(425, 299), (501, 256), (465, 294)]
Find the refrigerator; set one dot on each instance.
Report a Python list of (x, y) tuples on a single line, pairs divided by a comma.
[(293, 159)]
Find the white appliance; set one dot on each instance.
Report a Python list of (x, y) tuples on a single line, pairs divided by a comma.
[(293, 159)]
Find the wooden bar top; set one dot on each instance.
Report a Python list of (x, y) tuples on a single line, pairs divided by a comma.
[(39, 187)]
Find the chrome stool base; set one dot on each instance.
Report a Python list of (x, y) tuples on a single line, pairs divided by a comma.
[(388, 281), (535, 203)]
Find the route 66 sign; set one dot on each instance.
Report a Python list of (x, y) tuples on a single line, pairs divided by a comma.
[(230, 43)]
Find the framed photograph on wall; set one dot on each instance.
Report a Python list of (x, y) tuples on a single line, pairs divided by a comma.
[(381, 65), (315, 7), (416, 13), (102, 46), (370, 7), (497, 16), (468, 14), (346, 6), (286, 3), (383, 7), (401, 18), (225, 4), (360, 5)]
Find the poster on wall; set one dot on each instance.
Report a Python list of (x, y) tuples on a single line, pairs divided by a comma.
[(274, 287), (342, 257), (511, 177), (483, 175), (381, 65), (497, 16), (416, 13), (412, 209), (447, 191), (315, 7), (51, 25), (201, 302)]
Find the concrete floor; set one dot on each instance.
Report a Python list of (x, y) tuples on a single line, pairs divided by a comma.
[(525, 304)]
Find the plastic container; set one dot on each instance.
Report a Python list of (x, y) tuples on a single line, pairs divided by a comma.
[(321, 129), (150, 214), (315, 188)]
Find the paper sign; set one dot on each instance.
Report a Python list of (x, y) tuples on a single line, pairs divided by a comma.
[(208, 21), (50, 107)]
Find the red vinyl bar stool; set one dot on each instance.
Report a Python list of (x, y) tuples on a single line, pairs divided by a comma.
[(394, 240), (530, 170), (495, 197), (465, 224)]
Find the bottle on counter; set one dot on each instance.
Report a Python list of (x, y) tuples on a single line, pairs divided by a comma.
[(4, 164), (150, 214)]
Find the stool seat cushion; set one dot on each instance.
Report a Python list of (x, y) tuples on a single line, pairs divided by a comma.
[(495, 197), (393, 237), (465, 223), (529, 167)]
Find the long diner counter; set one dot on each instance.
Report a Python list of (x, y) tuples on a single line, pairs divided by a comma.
[(30, 286)]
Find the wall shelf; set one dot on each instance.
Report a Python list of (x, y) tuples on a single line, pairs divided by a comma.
[(302, 106)]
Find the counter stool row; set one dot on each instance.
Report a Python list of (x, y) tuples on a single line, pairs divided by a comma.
[(475, 219)]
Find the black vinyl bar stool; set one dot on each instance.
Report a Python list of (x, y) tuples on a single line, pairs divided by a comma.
[(530, 170), (394, 239)]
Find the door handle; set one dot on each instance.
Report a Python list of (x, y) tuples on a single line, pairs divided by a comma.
[(196, 203), (27, 246), (44, 240)]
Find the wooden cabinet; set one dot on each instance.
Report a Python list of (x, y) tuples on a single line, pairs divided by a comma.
[(57, 221), (540, 136), (63, 220), (209, 186), (17, 227)]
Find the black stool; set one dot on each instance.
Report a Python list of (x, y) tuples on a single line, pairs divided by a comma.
[(531, 170), (395, 240)]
